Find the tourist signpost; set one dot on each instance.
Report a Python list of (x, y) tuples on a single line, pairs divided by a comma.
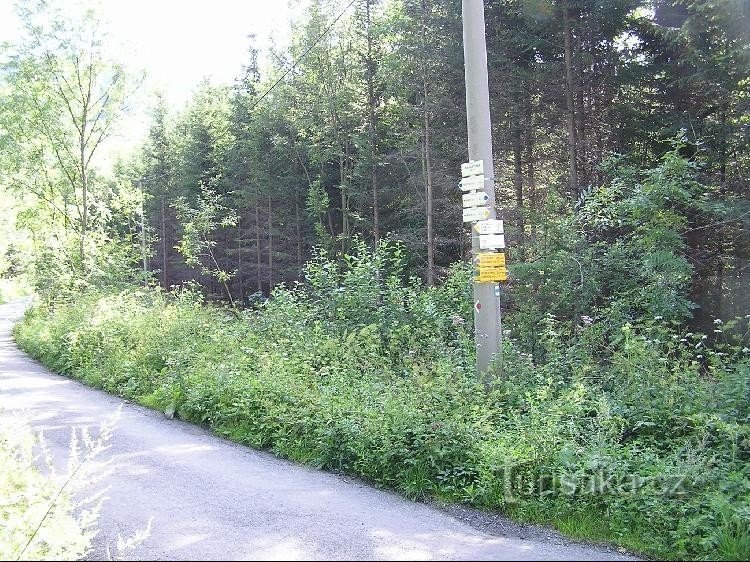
[(478, 183)]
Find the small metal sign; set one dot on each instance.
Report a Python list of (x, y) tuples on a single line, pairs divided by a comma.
[(474, 183), (474, 199), (490, 259), (473, 214), (492, 276), (489, 227), (491, 241), (473, 168)]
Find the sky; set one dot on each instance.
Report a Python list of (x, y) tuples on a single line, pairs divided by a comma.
[(178, 42)]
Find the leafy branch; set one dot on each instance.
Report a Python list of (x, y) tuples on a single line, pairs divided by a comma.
[(199, 225)]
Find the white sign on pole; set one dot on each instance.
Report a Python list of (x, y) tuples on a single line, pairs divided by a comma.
[(473, 168), (491, 241), (489, 227), (472, 183), (473, 214), (474, 199)]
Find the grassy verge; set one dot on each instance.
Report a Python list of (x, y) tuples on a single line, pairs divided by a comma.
[(373, 378)]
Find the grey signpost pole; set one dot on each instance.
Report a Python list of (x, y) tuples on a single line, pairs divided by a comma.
[(487, 322)]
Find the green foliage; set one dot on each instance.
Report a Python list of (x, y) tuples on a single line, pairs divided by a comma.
[(317, 205), (360, 369), (623, 258), (55, 276), (198, 227)]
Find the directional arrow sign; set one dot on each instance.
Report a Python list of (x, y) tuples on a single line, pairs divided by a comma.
[(473, 214), (491, 241), (474, 199), (473, 183), (492, 277), (491, 273), (490, 259), (473, 168), (489, 227), (496, 271)]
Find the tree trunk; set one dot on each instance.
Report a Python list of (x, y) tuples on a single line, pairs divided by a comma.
[(597, 119), (164, 275), (270, 247), (531, 193), (84, 196), (344, 198), (240, 280), (66, 222), (372, 126), (258, 266), (518, 176), (330, 224), (723, 146), (428, 155), (144, 253), (580, 116), (572, 148), (298, 223)]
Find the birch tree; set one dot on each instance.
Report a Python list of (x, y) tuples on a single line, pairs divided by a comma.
[(67, 95)]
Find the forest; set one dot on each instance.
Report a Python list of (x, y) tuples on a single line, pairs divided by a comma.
[(284, 258)]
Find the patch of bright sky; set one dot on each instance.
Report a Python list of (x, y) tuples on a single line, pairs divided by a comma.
[(629, 41), (179, 42)]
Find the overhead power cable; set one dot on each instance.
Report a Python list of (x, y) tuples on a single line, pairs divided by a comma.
[(299, 60)]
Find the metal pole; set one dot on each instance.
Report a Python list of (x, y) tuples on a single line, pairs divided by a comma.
[(487, 321)]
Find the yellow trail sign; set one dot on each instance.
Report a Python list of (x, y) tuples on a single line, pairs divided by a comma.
[(491, 259), (492, 276), (491, 268)]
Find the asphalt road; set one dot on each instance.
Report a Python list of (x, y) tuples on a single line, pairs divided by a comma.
[(211, 499)]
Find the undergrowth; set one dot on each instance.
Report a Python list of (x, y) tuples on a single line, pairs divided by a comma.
[(358, 370)]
